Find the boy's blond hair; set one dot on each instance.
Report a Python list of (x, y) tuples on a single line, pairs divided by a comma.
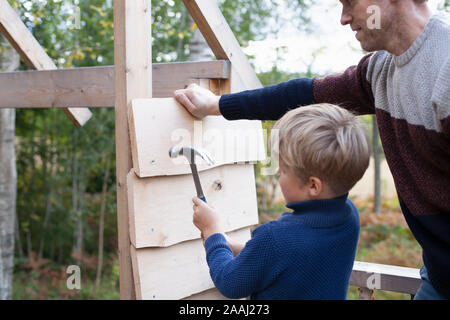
[(325, 141)]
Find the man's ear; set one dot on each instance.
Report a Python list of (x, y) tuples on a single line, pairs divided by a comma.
[(315, 186)]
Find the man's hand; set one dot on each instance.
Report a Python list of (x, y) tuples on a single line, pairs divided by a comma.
[(206, 219), (200, 102)]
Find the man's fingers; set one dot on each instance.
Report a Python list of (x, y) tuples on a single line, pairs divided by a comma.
[(182, 98), (192, 86)]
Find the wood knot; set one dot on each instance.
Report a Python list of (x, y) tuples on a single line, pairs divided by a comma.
[(217, 185)]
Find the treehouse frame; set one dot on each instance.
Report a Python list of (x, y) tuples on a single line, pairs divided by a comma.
[(133, 76)]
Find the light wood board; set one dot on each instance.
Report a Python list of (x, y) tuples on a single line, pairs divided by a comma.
[(133, 79), (161, 212), (158, 124), (175, 272), (94, 86)]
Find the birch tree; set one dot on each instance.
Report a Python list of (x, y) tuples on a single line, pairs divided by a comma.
[(9, 61)]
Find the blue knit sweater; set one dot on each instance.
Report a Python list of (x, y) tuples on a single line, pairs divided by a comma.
[(305, 254)]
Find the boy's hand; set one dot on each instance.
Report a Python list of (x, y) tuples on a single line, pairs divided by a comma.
[(200, 102), (206, 219)]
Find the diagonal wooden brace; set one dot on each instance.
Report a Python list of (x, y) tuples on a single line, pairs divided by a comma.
[(33, 54)]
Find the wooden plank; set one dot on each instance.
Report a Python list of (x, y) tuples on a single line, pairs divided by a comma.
[(94, 86), (133, 79), (80, 87), (210, 294), (220, 38), (175, 272), (161, 207), (158, 124), (385, 277), (32, 53)]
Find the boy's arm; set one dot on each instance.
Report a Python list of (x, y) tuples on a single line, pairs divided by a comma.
[(235, 246), (249, 272), (349, 89)]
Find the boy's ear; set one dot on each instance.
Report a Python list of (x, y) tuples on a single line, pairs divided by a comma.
[(315, 186)]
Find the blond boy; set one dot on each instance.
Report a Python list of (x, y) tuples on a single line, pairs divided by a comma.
[(307, 253)]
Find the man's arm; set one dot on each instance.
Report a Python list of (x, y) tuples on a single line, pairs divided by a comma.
[(349, 89), (268, 103)]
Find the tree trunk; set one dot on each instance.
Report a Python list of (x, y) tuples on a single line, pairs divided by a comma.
[(76, 176), (9, 61), (101, 222), (377, 173)]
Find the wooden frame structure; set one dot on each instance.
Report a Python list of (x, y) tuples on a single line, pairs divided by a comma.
[(133, 76)]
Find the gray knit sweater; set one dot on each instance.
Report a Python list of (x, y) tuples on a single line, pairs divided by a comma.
[(412, 101), (412, 104)]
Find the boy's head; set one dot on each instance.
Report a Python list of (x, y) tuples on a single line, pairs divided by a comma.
[(322, 147)]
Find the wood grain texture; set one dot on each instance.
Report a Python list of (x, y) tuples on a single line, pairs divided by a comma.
[(133, 79), (158, 124), (32, 53), (175, 272), (94, 86), (161, 207), (210, 294)]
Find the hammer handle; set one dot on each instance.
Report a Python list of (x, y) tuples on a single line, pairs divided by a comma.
[(198, 186)]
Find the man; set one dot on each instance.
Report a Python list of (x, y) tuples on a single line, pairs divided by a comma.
[(406, 83)]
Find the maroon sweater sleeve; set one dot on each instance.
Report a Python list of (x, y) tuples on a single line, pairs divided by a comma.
[(349, 89)]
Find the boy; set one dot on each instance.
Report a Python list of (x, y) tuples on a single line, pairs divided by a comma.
[(308, 253)]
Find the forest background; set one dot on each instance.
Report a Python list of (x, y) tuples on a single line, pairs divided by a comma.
[(66, 197)]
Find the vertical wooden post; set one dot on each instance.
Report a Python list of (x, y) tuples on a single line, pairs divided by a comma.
[(133, 79)]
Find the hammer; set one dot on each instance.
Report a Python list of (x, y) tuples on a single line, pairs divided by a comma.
[(190, 152)]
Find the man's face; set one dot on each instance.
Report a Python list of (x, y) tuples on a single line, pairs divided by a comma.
[(372, 20)]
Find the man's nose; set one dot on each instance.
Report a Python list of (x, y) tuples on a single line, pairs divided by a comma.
[(346, 18)]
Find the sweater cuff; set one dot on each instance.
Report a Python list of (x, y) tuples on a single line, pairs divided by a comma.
[(216, 241), (229, 106)]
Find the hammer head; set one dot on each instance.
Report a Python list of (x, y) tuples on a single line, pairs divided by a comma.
[(190, 152)]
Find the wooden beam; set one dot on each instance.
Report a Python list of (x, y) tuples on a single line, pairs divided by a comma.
[(133, 79), (385, 277), (94, 86), (32, 53), (80, 87), (220, 38)]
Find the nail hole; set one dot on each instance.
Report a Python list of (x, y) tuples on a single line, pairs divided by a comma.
[(217, 185)]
